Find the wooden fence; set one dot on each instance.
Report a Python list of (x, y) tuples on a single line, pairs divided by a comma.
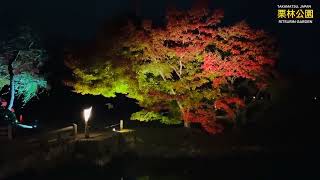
[(67, 133), (56, 136), (63, 134)]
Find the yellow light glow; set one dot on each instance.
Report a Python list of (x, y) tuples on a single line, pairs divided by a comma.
[(87, 113)]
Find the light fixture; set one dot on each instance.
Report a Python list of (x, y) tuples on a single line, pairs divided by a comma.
[(86, 114)]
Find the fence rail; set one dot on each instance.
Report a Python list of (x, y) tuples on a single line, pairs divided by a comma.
[(56, 136), (62, 134)]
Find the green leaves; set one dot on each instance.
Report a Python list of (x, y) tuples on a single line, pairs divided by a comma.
[(147, 116), (100, 79), (27, 85), (22, 59), (103, 78), (4, 74), (157, 69)]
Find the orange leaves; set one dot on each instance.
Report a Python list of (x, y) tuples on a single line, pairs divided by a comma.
[(211, 62), (226, 103), (218, 81), (241, 30), (216, 17), (205, 116), (147, 24), (212, 128), (240, 52)]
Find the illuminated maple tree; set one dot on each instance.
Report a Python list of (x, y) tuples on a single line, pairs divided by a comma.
[(188, 69)]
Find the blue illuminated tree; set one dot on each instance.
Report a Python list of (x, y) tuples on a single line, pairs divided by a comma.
[(21, 62)]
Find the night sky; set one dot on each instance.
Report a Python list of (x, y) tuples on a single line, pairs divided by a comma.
[(72, 23), (75, 21)]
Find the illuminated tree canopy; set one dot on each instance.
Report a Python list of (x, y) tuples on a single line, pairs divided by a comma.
[(4, 74), (183, 72), (100, 77), (21, 62)]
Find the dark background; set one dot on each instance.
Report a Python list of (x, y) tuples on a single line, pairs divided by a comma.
[(72, 23)]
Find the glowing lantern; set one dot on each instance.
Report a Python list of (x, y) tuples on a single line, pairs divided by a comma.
[(86, 114)]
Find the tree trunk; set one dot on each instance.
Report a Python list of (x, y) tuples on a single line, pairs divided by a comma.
[(185, 123), (11, 86), (11, 92), (10, 69)]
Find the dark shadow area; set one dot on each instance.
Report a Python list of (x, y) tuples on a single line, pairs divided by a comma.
[(254, 166)]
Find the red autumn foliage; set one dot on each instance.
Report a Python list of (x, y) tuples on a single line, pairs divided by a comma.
[(238, 52), (205, 116), (225, 104), (228, 53)]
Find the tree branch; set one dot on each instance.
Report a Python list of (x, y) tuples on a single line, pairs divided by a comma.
[(176, 71), (180, 70)]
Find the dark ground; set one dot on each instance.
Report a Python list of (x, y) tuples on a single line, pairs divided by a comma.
[(279, 158)]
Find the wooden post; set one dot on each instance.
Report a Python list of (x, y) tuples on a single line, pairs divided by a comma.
[(10, 135), (86, 130), (186, 124), (75, 130), (121, 125)]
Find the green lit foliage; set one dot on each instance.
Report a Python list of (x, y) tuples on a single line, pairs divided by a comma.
[(100, 78), (27, 86), (4, 74), (21, 61), (147, 116)]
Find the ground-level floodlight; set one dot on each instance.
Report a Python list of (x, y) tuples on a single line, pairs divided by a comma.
[(121, 125), (86, 114)]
